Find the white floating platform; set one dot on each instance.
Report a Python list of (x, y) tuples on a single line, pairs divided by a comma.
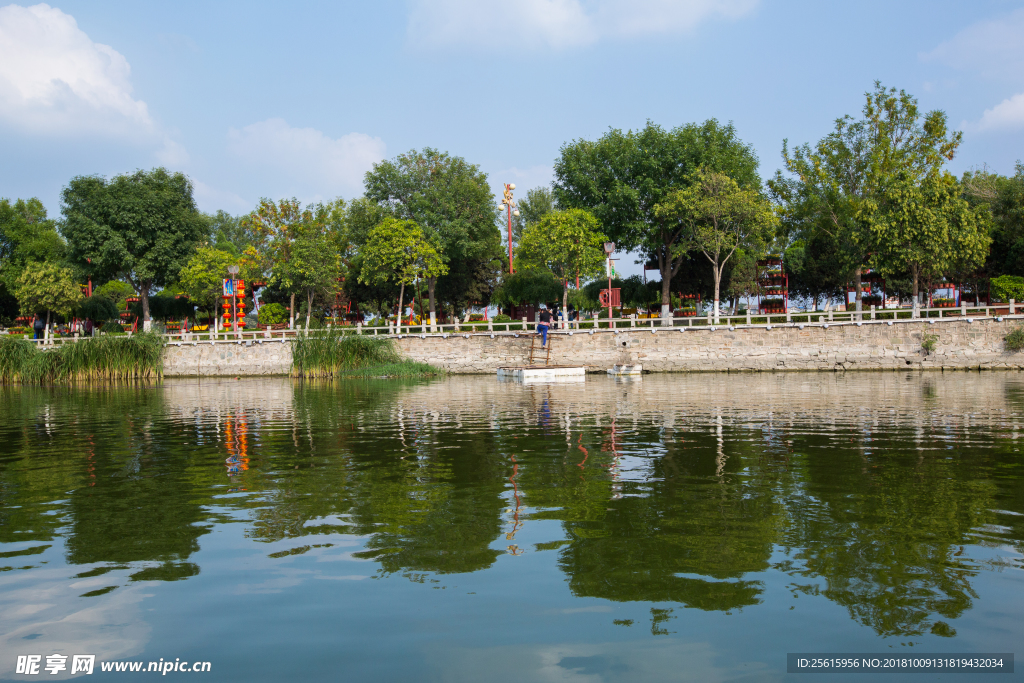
[(544, 373), (622, 370)]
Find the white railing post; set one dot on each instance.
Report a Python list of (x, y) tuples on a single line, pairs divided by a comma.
[(1011, 306), (963, 308), (748, 314), (872, 311)]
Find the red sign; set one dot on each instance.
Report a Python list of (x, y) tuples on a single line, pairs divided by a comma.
[(616, 298)]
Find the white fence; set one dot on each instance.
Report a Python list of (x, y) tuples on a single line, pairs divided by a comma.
[(872, 315)]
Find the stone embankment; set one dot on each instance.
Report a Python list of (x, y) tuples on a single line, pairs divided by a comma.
[(874, 345)]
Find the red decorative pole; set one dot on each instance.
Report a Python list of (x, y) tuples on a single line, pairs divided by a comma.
[(510, 206)]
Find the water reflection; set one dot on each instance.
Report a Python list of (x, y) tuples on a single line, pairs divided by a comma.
[(887, 495)]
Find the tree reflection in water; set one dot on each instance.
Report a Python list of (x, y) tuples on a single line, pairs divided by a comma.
[(875, 494)]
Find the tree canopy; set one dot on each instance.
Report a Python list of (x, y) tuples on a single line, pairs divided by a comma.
[(398, 251), (568, 243), (452, 203), (624, 176), (47, 287), (141, 228)]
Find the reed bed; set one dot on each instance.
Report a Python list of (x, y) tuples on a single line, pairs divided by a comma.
[(99, 359), (333, 353)]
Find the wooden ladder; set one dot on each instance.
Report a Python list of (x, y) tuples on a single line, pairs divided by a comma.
[(533, 348)]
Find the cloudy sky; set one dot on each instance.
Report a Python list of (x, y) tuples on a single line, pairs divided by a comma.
[(255, 99)]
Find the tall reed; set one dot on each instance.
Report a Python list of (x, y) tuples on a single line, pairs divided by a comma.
[(110, 359), (332, 352)]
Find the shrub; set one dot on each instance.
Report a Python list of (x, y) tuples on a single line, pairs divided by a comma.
[(112, 327), (1015, 340), (98, 308), (502, 318), (1006, 287), (272, 314), (928, 342)]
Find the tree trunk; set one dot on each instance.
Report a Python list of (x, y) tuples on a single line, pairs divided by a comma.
[(145, 307), (858, 286), (565, 304), (431, 282), (401, 295), (665, 268), (291, 313), (718, 282), (309, 309)]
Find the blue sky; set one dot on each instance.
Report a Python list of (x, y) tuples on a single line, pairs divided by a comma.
[(299, 99)]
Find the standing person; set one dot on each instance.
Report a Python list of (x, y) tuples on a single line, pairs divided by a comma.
[(38, 326), (542, 326)]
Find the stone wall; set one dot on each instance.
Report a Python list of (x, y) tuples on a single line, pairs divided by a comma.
[(224, 358), (872, 346)]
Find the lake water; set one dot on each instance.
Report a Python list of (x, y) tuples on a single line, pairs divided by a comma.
[(669, 528)]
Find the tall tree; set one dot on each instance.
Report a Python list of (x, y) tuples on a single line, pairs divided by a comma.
[(926, 228), (142, 227), (624, 176), (274, 230), (568, 243), (398, 251), (835, 186), (716, 216), (452, 203)]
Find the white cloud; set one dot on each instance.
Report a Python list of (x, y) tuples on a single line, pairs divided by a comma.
[(55, 81), (994, 48), (559, 23), (306, 161), (53, 78), (1007, 114)]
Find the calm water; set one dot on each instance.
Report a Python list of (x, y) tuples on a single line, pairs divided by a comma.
[(672, 528)]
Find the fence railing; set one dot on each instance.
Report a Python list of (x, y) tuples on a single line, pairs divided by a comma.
[(871, 315)]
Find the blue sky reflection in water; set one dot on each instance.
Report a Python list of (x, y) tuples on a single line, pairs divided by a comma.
[(671, 528)]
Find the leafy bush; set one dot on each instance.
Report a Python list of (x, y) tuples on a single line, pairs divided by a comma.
[(97, 307), (928, 342), (502, 318), (1006, 287), (112, 326), (1015, 340), (272, 314)]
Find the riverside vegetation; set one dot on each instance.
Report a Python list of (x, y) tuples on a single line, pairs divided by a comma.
[(107, 358), (332, 353)]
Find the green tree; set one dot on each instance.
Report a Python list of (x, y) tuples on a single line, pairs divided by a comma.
[(452, 203), (226, 232), (538, 202), (568, 243), (717, 216), (398, 251), (531, 286), (280, 236), (926, 228), (141, 228), (26, 236), (834, 188), (202, 278), (623, 177), (48, 287), (315, 268)]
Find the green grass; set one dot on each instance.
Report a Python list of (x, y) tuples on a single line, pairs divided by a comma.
[(104, 359), (1015, 340), (337, 353)]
